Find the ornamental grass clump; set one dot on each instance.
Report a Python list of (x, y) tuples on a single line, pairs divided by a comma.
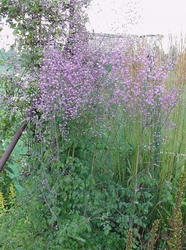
[(144, 105), (173, 147)]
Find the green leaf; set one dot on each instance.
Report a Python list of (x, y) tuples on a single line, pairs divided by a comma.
[(9, 170), (84, 241)]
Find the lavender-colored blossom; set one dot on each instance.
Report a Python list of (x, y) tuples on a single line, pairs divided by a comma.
[(87, 79)]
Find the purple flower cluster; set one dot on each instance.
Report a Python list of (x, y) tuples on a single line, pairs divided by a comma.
[(136, 82), (69, 86), (140, 83), (72, 84)]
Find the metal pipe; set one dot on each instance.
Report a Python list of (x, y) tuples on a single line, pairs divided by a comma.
[(12, 144)]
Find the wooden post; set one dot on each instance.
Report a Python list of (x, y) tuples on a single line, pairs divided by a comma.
[(12, 144)]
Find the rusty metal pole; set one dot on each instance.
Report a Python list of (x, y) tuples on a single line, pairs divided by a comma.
[(12, 144)]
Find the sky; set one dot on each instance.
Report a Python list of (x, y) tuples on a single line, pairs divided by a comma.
[(139, 17), (148, 16)]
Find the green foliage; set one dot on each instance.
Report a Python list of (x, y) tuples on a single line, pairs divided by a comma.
[(37, 23), (85, 192), (3, 58), (70, 201), (90, 189)]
